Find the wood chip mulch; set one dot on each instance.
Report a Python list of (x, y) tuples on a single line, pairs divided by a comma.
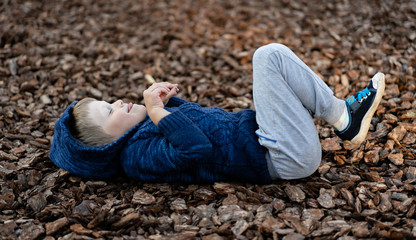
[(55, 52)]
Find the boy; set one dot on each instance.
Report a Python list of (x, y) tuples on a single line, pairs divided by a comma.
[(172, 140)]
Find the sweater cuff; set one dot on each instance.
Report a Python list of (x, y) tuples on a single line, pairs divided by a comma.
[(175, 102)]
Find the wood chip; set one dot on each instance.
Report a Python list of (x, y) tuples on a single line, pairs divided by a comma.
[(54, 54)]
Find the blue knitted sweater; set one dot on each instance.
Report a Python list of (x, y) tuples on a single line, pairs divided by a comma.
[(193, 144)]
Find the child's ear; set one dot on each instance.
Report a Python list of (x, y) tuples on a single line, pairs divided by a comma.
[(72, 123)]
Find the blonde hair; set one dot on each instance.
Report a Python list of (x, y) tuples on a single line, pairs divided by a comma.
[(83, 128)]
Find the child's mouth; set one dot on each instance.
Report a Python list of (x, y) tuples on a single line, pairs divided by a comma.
[(129, 107)]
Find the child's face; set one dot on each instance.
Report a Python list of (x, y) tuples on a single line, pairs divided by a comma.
[(117, 118)]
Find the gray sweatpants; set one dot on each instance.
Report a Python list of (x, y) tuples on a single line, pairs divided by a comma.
[(284, 91)]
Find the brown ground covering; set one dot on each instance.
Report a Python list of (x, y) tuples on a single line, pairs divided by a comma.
[(54, 52)]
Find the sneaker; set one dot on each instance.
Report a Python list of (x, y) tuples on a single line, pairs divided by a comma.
[(361, 108)]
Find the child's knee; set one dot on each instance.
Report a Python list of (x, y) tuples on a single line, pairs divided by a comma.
[(264, 51), (261, 55)]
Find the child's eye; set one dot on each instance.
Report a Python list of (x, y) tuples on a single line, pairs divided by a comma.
[(110, 111)]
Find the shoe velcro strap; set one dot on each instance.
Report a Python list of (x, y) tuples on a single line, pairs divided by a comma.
[(351, 100)]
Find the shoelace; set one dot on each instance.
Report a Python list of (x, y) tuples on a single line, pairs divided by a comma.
[(361, 95)]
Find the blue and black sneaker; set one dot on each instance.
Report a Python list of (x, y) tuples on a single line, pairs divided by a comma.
[(361, 108)]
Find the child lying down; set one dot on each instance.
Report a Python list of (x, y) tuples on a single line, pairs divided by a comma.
[(171, 140)]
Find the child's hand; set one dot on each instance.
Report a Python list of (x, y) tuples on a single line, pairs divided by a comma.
[(172, 92), (155, 98), (159, 94)]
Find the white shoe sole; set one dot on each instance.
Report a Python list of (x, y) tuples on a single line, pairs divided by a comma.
[(365, 123)]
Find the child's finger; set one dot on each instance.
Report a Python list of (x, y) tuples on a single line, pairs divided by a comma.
[(172, 93), (154, 86), (164, 84), (168, 84), (163, 89), (157, 88), (160, 90)]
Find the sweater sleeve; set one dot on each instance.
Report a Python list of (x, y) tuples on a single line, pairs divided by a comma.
[(183, 145), (175, 102), (186, 138)]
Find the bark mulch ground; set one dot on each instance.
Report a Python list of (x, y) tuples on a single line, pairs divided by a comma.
[(54, 52)]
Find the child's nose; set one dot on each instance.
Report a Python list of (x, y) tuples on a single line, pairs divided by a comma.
[(119, 103)]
